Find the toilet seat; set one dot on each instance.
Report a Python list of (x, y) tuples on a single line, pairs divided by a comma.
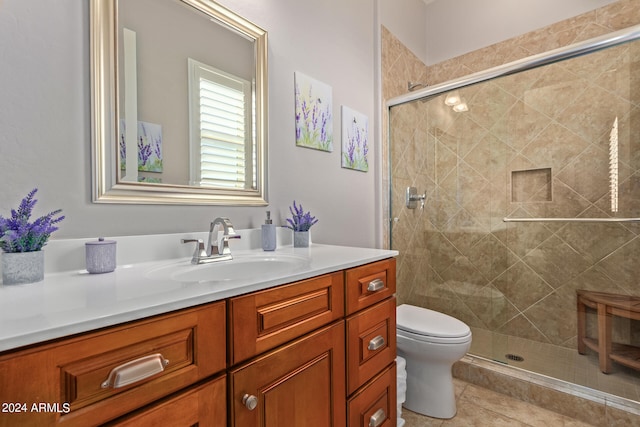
[(422, 324)]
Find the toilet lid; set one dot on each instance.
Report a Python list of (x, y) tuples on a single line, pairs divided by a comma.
[(423, 321)]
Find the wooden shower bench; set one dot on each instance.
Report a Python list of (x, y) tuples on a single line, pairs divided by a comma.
[(607, 306)]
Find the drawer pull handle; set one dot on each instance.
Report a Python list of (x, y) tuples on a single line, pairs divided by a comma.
[(375, 285), (136, 370), (377, 418), (376, 343), (250, 401)]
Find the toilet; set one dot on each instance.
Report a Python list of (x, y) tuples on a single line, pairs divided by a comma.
[(430, 342)]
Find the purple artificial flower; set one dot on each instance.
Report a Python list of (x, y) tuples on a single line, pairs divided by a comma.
[(300, 221), (17, 234)]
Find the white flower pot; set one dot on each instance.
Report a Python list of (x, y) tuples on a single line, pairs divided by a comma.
[(22, 267)]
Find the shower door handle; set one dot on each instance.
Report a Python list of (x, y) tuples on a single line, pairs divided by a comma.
[(412, 198)]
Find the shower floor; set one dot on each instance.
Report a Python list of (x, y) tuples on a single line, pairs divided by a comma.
[(557, 362)]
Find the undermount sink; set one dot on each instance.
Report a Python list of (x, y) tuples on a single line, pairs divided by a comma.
[(239, 268)]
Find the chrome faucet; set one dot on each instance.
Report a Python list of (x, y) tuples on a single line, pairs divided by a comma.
[(222, 245), (217, 247)]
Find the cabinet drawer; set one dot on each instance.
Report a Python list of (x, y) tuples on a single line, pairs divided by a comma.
[(145, 360), (263, 320), (203, 406), (369, 284), (371, 342), (299, 384), (376, 403)]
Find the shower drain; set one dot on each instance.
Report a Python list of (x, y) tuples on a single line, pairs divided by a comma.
[(514, 357)]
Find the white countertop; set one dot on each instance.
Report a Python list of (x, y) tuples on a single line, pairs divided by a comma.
[(70, 302)]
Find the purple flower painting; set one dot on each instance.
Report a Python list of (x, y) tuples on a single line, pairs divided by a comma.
[(355, 140), (314, 120), (149, 147)]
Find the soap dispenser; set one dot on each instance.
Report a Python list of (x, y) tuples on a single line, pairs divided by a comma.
[(268, 234)]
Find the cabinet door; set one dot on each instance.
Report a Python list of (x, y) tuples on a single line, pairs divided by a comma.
[(300, 384), (202, 406)]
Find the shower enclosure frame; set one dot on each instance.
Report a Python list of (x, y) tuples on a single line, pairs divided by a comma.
[(572, 51), (567, 52)]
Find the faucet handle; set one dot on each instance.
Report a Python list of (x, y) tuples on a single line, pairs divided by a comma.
[(223, 244), (200, 250)]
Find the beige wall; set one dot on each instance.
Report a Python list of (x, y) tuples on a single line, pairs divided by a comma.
[(553, 123), (450, 33)]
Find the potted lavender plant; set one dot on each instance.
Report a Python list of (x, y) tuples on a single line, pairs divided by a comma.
[(21, 242), (300, 222)]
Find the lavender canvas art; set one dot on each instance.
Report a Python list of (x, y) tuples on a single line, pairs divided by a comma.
[(355, 140), (149, 147), (314, 106)]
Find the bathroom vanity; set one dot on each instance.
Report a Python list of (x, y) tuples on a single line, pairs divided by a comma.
[(313, 347)]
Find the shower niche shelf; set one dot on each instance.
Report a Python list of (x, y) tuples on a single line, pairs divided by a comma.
[(533, 185), (607, 305)]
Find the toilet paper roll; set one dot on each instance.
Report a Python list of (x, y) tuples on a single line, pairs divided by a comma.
[(401, 384)]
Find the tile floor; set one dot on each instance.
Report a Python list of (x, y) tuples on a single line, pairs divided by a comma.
[(478, 406)]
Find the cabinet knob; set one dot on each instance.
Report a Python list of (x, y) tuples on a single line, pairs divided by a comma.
[(376, 343), (375, 285), (250, 401), (377, 418)]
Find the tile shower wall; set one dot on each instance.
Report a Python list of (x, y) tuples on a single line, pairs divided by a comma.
[(531, 145)]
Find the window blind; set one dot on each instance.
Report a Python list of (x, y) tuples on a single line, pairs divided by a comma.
[(223, 144), (222, 135)]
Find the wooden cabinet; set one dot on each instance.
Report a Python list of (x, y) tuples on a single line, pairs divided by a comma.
[(304, 383), (300, 384), (98, 376), (314, 353), (371, 344)]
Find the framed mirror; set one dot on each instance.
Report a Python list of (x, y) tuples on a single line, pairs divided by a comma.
[(179, 104)]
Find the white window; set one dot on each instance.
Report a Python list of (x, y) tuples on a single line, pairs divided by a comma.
[(221, 136)]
